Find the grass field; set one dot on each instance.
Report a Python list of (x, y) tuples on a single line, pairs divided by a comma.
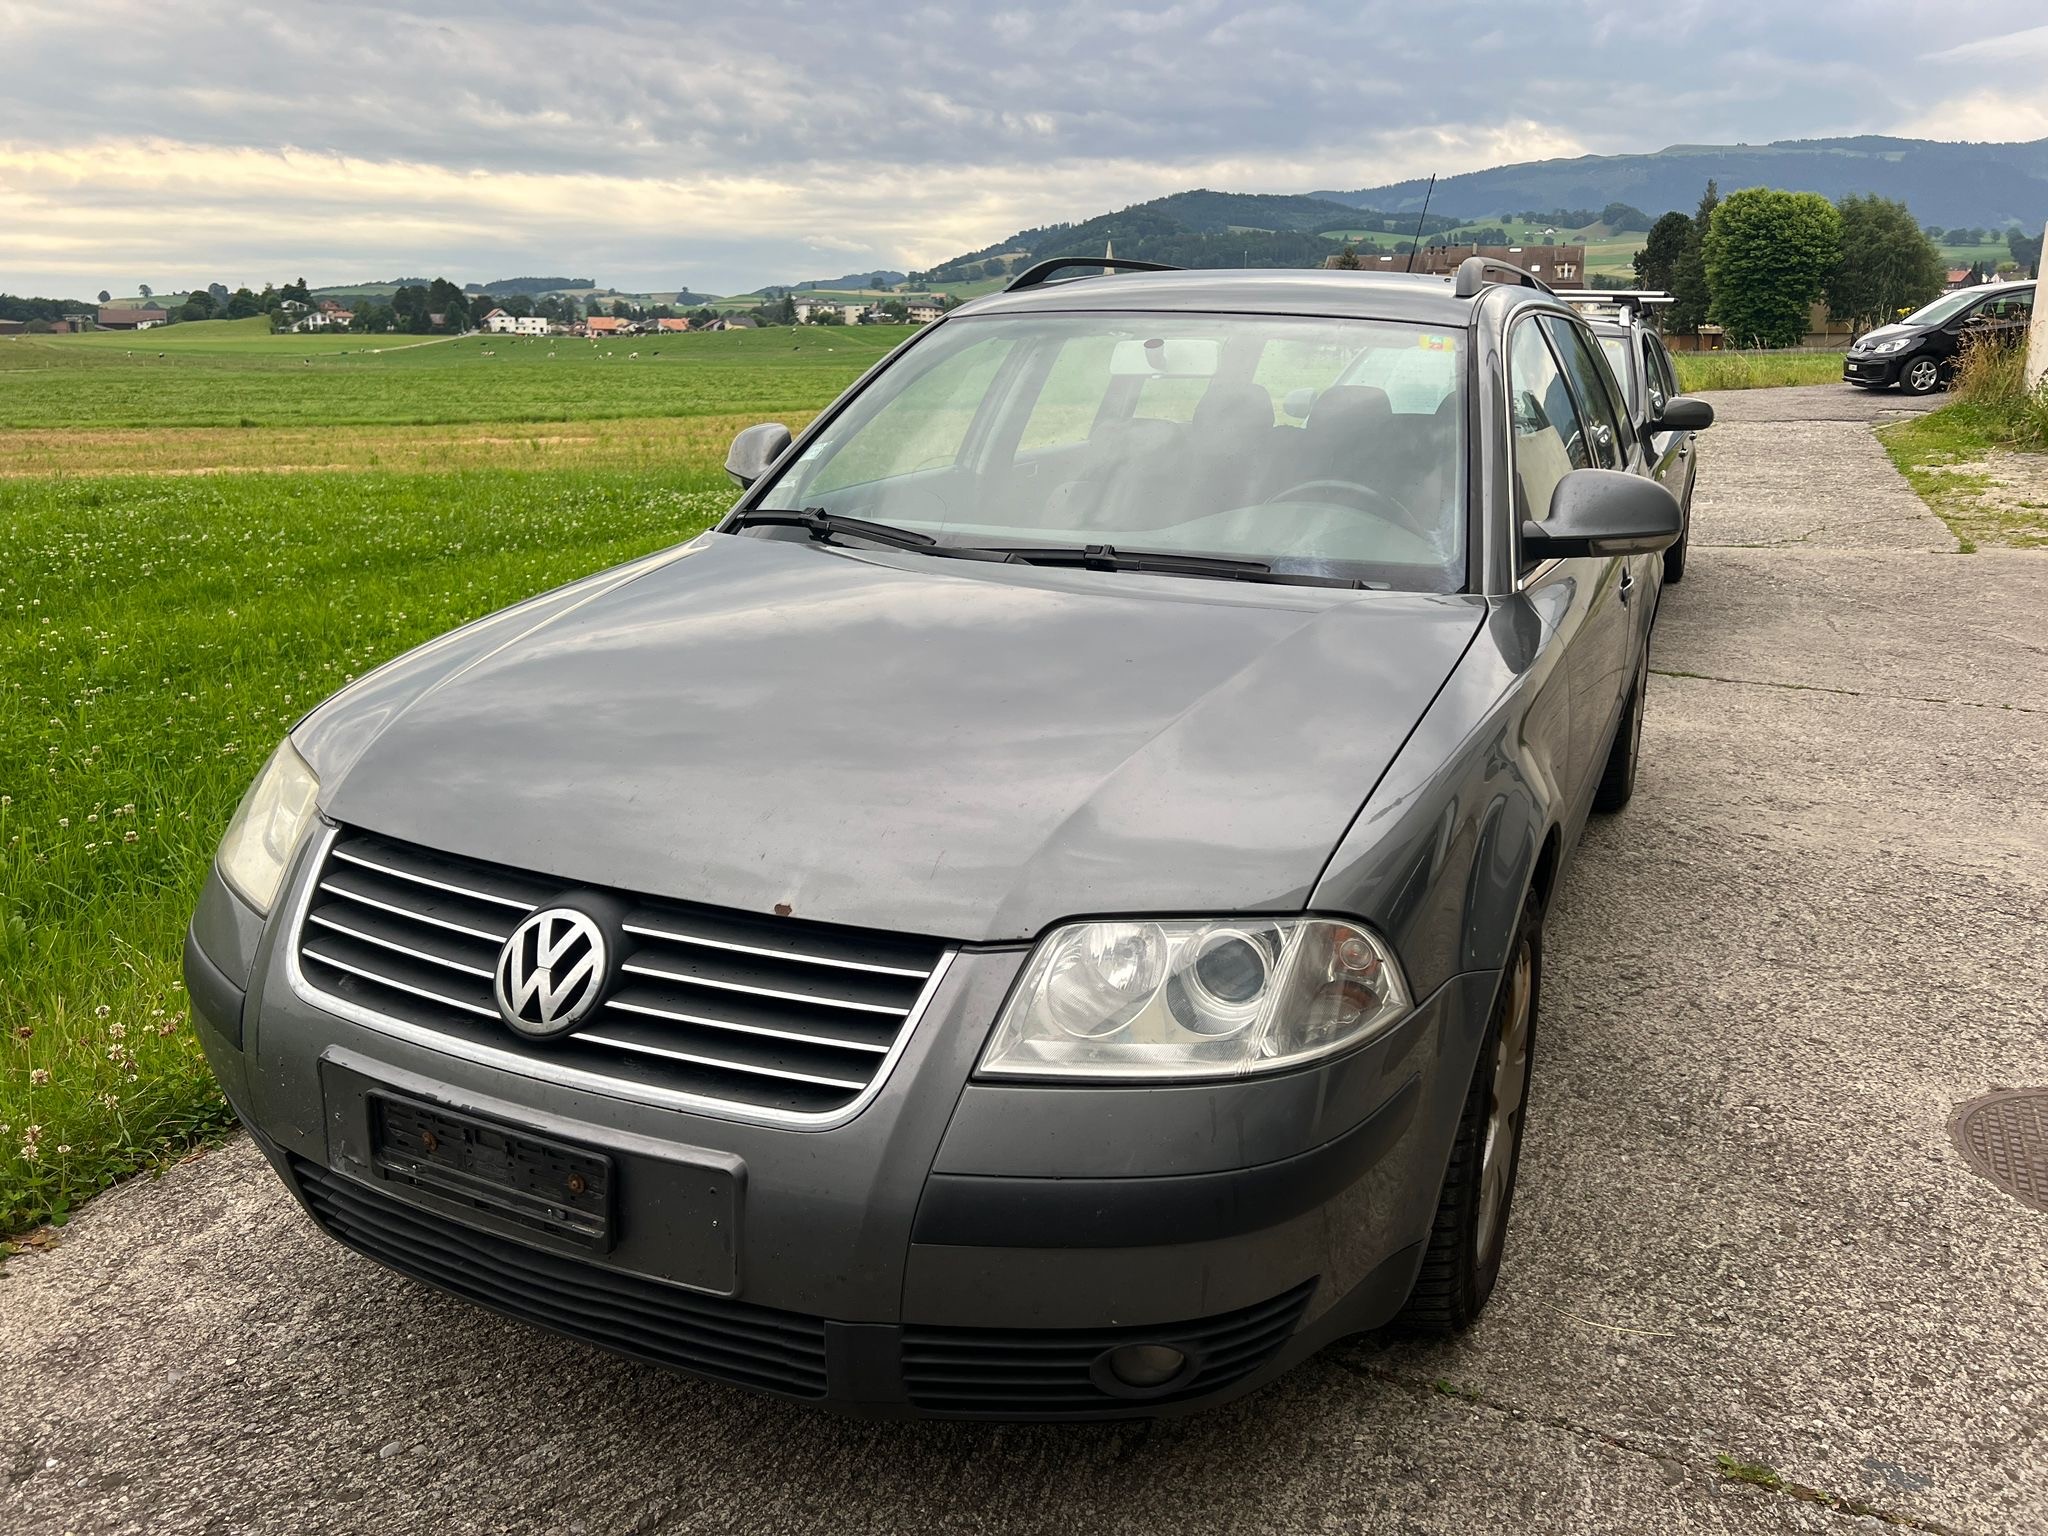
[(177, 586), (1755, 370)]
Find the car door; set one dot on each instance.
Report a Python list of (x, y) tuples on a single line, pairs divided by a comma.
[(1578, 599), (1630, 581), (2001, 320)]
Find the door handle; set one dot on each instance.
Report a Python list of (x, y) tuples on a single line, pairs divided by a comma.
[(1628, 583), (1684, 447)]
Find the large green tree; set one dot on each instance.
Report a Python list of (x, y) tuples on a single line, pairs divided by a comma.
[(1690, 297), (1888, 266), (1671, 241), (1768, 257)]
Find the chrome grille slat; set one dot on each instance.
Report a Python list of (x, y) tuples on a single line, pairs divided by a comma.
[(723, 1064), (762, 1017), (417, 916), (702, 941), (392, 944), (361, 862), (707, 1022), (383, 980), (656, 973)]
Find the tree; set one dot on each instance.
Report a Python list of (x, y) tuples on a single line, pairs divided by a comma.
[(2026, 252), (144, 289), (1768, 256), (1347, 259), (106, 297), (1671, 241), (198, 305), (1689, 295), (1888, 266), (242, 304), (1621, 216)]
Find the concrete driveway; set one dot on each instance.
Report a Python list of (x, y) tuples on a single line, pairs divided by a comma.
[(1742, 1228)]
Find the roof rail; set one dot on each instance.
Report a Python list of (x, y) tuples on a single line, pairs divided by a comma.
[(1475, 272), (1032, 277), (1620, 298)]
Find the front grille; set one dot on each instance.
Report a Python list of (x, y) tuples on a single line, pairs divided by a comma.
[(731, 1341), (786, 1017), (1025, 1372)]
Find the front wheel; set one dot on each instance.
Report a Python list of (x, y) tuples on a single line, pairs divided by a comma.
[(1465, 1242), (1674, 557), (1922, 376)]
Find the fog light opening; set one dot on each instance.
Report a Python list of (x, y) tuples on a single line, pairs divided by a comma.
[(1142, 1370)]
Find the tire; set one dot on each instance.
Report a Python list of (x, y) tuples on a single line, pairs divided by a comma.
[(1920, 376), (1470, 1231), (1674, 557), (1618, 779)]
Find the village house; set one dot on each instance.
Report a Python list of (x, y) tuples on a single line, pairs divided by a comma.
[(670, 327), (329, 316), (117, 319), (607, 325), (501, 324), (924, 311), (1553, 263)]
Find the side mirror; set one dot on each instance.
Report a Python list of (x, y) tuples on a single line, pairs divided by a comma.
[(1684, 413), (753, 450), (1604, 512)]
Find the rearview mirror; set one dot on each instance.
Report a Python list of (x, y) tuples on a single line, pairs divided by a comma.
[(1604, 512), (753, 450), (1685, 413), (1178, 357)]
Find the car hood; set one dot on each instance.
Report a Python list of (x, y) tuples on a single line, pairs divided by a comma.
[(1886, 333), (964, 750)]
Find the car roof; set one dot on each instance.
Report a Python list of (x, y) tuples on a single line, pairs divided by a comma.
[(1276, 291)]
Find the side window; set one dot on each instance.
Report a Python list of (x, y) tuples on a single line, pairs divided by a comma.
[(2007, 307), (924, 427), (1655, 384), (1071, 396), (1665, 371), (1594, 385), (1550, 439)]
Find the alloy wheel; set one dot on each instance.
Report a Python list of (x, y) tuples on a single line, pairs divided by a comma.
[(1505, 1101), (1922, 376)]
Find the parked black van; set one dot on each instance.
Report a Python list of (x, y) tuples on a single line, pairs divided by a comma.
[(1919, 352)]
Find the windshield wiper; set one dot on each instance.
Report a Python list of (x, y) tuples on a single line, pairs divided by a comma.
[(1107, 557), (823, 525)]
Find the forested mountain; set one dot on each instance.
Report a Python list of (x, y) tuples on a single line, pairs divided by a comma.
[(1190, 229), (1947, 184)]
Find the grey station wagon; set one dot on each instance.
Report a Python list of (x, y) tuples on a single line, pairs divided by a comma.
[(1038, 914)]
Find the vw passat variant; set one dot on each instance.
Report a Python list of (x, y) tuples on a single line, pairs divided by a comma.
[(1038, 914)]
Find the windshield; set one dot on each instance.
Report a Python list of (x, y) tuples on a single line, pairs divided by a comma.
[(1947, 307), (1319, 447)]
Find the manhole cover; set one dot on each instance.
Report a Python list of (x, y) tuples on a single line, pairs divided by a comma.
[(2004, 1136)]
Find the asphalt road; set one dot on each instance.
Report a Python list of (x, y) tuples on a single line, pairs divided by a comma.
[(1741, 1230)]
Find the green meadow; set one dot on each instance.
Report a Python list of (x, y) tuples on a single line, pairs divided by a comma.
[(206, 529)]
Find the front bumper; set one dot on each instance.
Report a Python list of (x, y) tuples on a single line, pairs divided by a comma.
[(956, 1249), (1874, 372)]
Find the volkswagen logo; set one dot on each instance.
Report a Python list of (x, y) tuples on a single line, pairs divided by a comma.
[(551, 972)]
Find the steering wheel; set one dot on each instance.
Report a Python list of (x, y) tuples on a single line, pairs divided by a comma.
[(1366, 498)]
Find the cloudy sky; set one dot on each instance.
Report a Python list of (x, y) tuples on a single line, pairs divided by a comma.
[(655, 145)]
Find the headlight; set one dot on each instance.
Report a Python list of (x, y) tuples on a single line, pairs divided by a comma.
[(1195, 998), (267, 828), (1894, 344)]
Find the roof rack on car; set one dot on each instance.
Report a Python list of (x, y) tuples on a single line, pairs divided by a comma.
[(1475, 272), (1044, 271), (1618, 299)]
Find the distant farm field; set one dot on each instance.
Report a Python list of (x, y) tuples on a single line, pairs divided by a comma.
[(197, 547), (234, 373)]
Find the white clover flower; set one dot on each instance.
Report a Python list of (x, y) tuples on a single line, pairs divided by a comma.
[(39, 1077)]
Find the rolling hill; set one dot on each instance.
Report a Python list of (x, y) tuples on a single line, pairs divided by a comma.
[(1947, 184)]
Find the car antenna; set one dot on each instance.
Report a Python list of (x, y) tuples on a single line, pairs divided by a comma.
[(1428, 192)]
